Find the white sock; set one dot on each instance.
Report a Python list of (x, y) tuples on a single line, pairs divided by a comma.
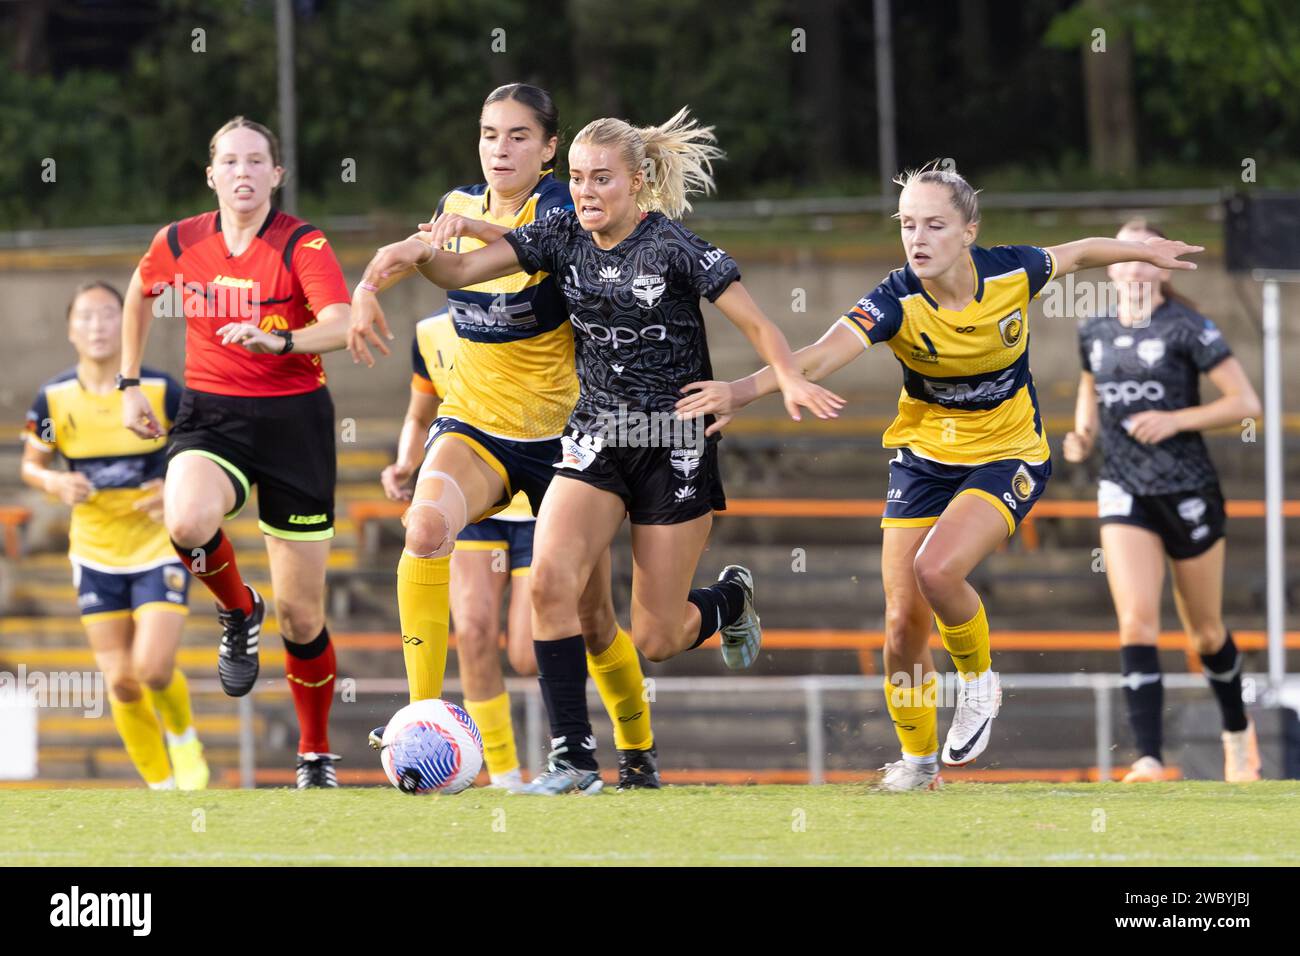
[(184, 737), (511, 778), (928, 760), (168, 784)]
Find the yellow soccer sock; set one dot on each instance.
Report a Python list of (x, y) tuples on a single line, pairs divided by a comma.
[(423, 605), (968, 644), (142, 736), (173, 703), (493, 719), (617, 673), (915, 716)]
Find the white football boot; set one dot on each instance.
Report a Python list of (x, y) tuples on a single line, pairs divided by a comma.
[(978, 702), (903, 775)]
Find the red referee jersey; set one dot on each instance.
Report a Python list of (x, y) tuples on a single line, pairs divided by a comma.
[(287, 274)]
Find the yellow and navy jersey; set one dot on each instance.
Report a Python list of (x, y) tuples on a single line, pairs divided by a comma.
[(433, 353), (514, 374), (107, 533), (968, 397)]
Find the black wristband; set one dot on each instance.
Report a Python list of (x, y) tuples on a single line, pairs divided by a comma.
[(288, 340), (122, 383)]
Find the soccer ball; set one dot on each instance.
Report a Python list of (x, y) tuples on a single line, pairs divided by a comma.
[(431, 746)]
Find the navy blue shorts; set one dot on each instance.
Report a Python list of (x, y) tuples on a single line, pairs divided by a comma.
[(523, 465), (920, 489), (515, 538), (102, 595)]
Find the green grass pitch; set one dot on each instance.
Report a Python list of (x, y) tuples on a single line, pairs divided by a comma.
[(971, 823)]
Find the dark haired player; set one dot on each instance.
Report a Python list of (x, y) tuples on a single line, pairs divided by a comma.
[(508, 393), (633, 278), (131, 590)]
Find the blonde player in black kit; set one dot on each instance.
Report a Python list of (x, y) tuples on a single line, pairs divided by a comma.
[(633, 278), (1159, 497)]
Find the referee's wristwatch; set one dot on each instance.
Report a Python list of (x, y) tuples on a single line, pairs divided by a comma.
[(121, 383), (288, 340)]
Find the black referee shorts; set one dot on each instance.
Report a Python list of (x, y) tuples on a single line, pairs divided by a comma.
[(284, 445)]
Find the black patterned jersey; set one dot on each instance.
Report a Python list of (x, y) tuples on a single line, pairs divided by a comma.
[(1155, 367), (635, 309)]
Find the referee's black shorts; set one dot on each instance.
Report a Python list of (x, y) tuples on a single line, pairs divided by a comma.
[(283, 444)]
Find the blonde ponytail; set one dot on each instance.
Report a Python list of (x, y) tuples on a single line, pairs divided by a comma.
[(676, 157)]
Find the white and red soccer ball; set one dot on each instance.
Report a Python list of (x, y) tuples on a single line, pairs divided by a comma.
[(431, 746)]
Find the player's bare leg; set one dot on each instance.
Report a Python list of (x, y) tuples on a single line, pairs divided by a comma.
[(197, 496), (1135, 573), (137, 724), (909, 666), (519, 625), (153, 651), (478, 583), (563, 581), (664, 559), (455, 487), (968, 531), (1198, 595)]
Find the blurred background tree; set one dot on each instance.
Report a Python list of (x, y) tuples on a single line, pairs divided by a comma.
[(124, 95)]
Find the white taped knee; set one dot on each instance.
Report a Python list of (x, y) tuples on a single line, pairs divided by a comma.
[(450, 503)]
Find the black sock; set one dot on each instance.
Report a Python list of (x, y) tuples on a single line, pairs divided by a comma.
[(1223, 668), (562, 676), (312, 649), (1145, 694), (720, 604)]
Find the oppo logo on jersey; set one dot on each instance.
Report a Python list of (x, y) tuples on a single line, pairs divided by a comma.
[(619, 335), (1130, 391), (514, 315)]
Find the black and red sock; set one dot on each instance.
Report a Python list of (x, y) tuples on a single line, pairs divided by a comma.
[(214, 565), (310, 670)]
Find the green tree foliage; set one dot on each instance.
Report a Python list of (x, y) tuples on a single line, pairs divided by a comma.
[(1216, 79), (396, 87)]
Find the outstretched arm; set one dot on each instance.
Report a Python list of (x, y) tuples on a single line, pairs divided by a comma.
[(392, 263), (770, 344), (832, 351), (1090, 253)]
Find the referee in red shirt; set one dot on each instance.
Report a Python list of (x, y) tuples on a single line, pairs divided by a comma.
[(262, 295)]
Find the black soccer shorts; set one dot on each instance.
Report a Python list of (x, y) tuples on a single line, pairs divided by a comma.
[(283, 444)]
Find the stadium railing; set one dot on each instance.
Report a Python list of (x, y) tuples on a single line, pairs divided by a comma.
[(365, 513), (813, 687)]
